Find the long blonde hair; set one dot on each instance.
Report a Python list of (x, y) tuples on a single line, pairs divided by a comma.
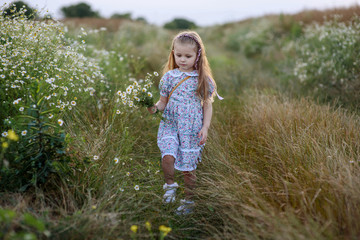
[(202, 64)]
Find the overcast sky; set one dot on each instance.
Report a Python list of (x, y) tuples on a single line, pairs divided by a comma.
[(202, 12)]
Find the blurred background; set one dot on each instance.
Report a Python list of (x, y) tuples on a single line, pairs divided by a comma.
[(203, 13)]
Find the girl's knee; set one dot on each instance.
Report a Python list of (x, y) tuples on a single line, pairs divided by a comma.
[(189, 173), (168, 158)]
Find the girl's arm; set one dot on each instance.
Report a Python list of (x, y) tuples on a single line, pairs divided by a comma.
[(160, 105), (207, 108)]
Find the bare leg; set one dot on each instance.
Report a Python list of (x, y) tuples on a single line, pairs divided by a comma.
[(168, 168), (190, 180)]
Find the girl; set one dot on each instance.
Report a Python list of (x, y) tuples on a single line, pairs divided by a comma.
[(186, 95)]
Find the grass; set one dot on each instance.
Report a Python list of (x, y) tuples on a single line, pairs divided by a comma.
[(274, 167), (283, 169)]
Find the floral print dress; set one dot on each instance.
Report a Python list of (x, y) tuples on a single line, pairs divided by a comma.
[(182, 119)]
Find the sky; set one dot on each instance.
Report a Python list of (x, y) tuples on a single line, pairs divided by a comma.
[(202, 12)]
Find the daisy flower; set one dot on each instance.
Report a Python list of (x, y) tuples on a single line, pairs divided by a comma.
[(128, 174), (128, 90), (4, 134), (137, 187), (96, 157), (118, 112), (21, 109), (23, 133), (60, 122), (116, 160)]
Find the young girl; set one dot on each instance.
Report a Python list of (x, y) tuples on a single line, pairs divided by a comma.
[(187, 113)]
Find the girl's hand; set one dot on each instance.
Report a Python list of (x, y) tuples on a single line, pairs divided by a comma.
[(203, 135), (152, 109)]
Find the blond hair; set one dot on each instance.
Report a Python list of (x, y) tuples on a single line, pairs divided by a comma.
[(201, 64)]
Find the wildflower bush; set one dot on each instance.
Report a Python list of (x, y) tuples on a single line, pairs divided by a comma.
[(327, 62), (43, 75)]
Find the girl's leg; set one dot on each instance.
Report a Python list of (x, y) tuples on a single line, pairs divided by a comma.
[(190, 180), (168, 168)]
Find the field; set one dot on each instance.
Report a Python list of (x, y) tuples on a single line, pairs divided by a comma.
[(79, 161)]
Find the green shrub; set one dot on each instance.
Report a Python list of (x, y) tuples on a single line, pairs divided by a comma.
[(180, 23), (327, 62), (80, 10), (20, 6)]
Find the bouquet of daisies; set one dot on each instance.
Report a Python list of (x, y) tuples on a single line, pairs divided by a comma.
[(138, 93)]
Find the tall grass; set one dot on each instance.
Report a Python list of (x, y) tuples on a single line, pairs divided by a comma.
[(283, 169), (274, 167)]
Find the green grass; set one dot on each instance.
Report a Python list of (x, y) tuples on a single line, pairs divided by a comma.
[(274, 167)]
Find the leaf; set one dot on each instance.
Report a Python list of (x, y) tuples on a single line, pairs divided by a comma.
[(38, 103), (33, 222), (47, 111), (27, 236), (24, 187), (50, 125), (27, 116), (7, 215)]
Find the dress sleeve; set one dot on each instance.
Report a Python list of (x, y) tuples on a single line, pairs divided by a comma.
[(165, 85)]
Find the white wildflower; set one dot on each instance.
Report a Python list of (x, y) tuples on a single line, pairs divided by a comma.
[(60, 122)]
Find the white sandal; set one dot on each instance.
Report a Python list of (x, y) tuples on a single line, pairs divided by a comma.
[(186, 207), (170, 193)]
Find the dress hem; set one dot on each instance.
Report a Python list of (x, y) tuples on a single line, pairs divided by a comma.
[(171, 154), (184, 170)]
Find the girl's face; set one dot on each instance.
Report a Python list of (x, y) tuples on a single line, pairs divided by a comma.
[(185, 56)]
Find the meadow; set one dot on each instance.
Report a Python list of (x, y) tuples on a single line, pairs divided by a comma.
[(79, 161)]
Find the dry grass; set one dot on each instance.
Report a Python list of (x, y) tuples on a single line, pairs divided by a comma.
[(111, 25), (283, 169), (309, 16)]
